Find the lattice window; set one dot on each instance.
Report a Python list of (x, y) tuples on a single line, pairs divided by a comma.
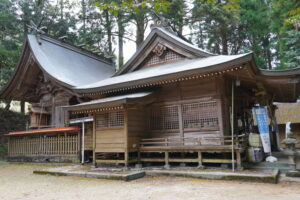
[(168, 56), (110, 120), (202, 115), (164, 118)]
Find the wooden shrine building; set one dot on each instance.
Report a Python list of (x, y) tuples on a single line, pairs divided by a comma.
[(171, 102)]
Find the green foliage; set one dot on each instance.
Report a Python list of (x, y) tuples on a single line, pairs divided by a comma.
[(12, 121), (217, 23), (269, 28), (231, 27), (132, 5), (9, 40), (292, 54), (255, 20), (285, 17), (176, 13)]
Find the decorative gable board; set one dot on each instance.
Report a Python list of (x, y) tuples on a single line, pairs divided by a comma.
[(161, 55), (160, 51)]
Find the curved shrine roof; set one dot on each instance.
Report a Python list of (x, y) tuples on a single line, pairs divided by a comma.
[(68, 65), (64, 64)]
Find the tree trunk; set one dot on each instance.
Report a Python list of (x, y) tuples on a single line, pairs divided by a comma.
[(269, 59), (7, 106), (109, 29), (120, 39), (22, 106), (61, 10), (266, 44), (83, 16), (180, 25), (140, 26), (224, 42)]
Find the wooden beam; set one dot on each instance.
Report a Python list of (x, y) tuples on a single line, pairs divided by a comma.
[(111, 161)]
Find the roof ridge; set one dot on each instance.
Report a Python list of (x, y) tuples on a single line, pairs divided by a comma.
[(180, 36), (73, 47)]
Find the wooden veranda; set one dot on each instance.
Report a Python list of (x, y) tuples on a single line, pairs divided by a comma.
[(151, 149), (183, 150)]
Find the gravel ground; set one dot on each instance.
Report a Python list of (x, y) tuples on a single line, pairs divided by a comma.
[(18, 182)]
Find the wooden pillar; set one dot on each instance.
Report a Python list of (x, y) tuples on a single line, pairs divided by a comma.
[(180, 121), (94, 140), (126, 158), (8, 147), (78, 144), (139, 156), (126, 153)]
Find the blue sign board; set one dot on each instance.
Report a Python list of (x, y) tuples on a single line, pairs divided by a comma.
[(261, 116)]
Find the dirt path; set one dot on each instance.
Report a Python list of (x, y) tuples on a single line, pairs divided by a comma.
[(18, 182)]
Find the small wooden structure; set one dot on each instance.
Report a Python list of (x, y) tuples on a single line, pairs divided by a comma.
[(288, 112), (171, 102), (45, 145), (39, 117)]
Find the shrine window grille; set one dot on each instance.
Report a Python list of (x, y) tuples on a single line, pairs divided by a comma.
[(200, 116), (110, 120), (197, 116)]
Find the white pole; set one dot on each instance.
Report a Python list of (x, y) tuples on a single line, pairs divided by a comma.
[(82, 145), (232, 125)]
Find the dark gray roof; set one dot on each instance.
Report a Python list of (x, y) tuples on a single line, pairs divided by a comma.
[(121, 99), (67, 64), (180, 68)]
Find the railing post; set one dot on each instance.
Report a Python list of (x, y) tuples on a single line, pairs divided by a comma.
[(239, 160), (167, 165), (200, 165), (237, 142)]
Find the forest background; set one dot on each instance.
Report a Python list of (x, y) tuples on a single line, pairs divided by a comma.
[(268, 28)]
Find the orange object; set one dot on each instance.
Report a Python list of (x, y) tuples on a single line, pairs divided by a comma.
[(48, 130)]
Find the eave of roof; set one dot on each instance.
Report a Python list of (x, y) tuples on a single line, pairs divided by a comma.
[(44, 131), (5, 89), (280, 73), (156, 73), (108, 101)]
